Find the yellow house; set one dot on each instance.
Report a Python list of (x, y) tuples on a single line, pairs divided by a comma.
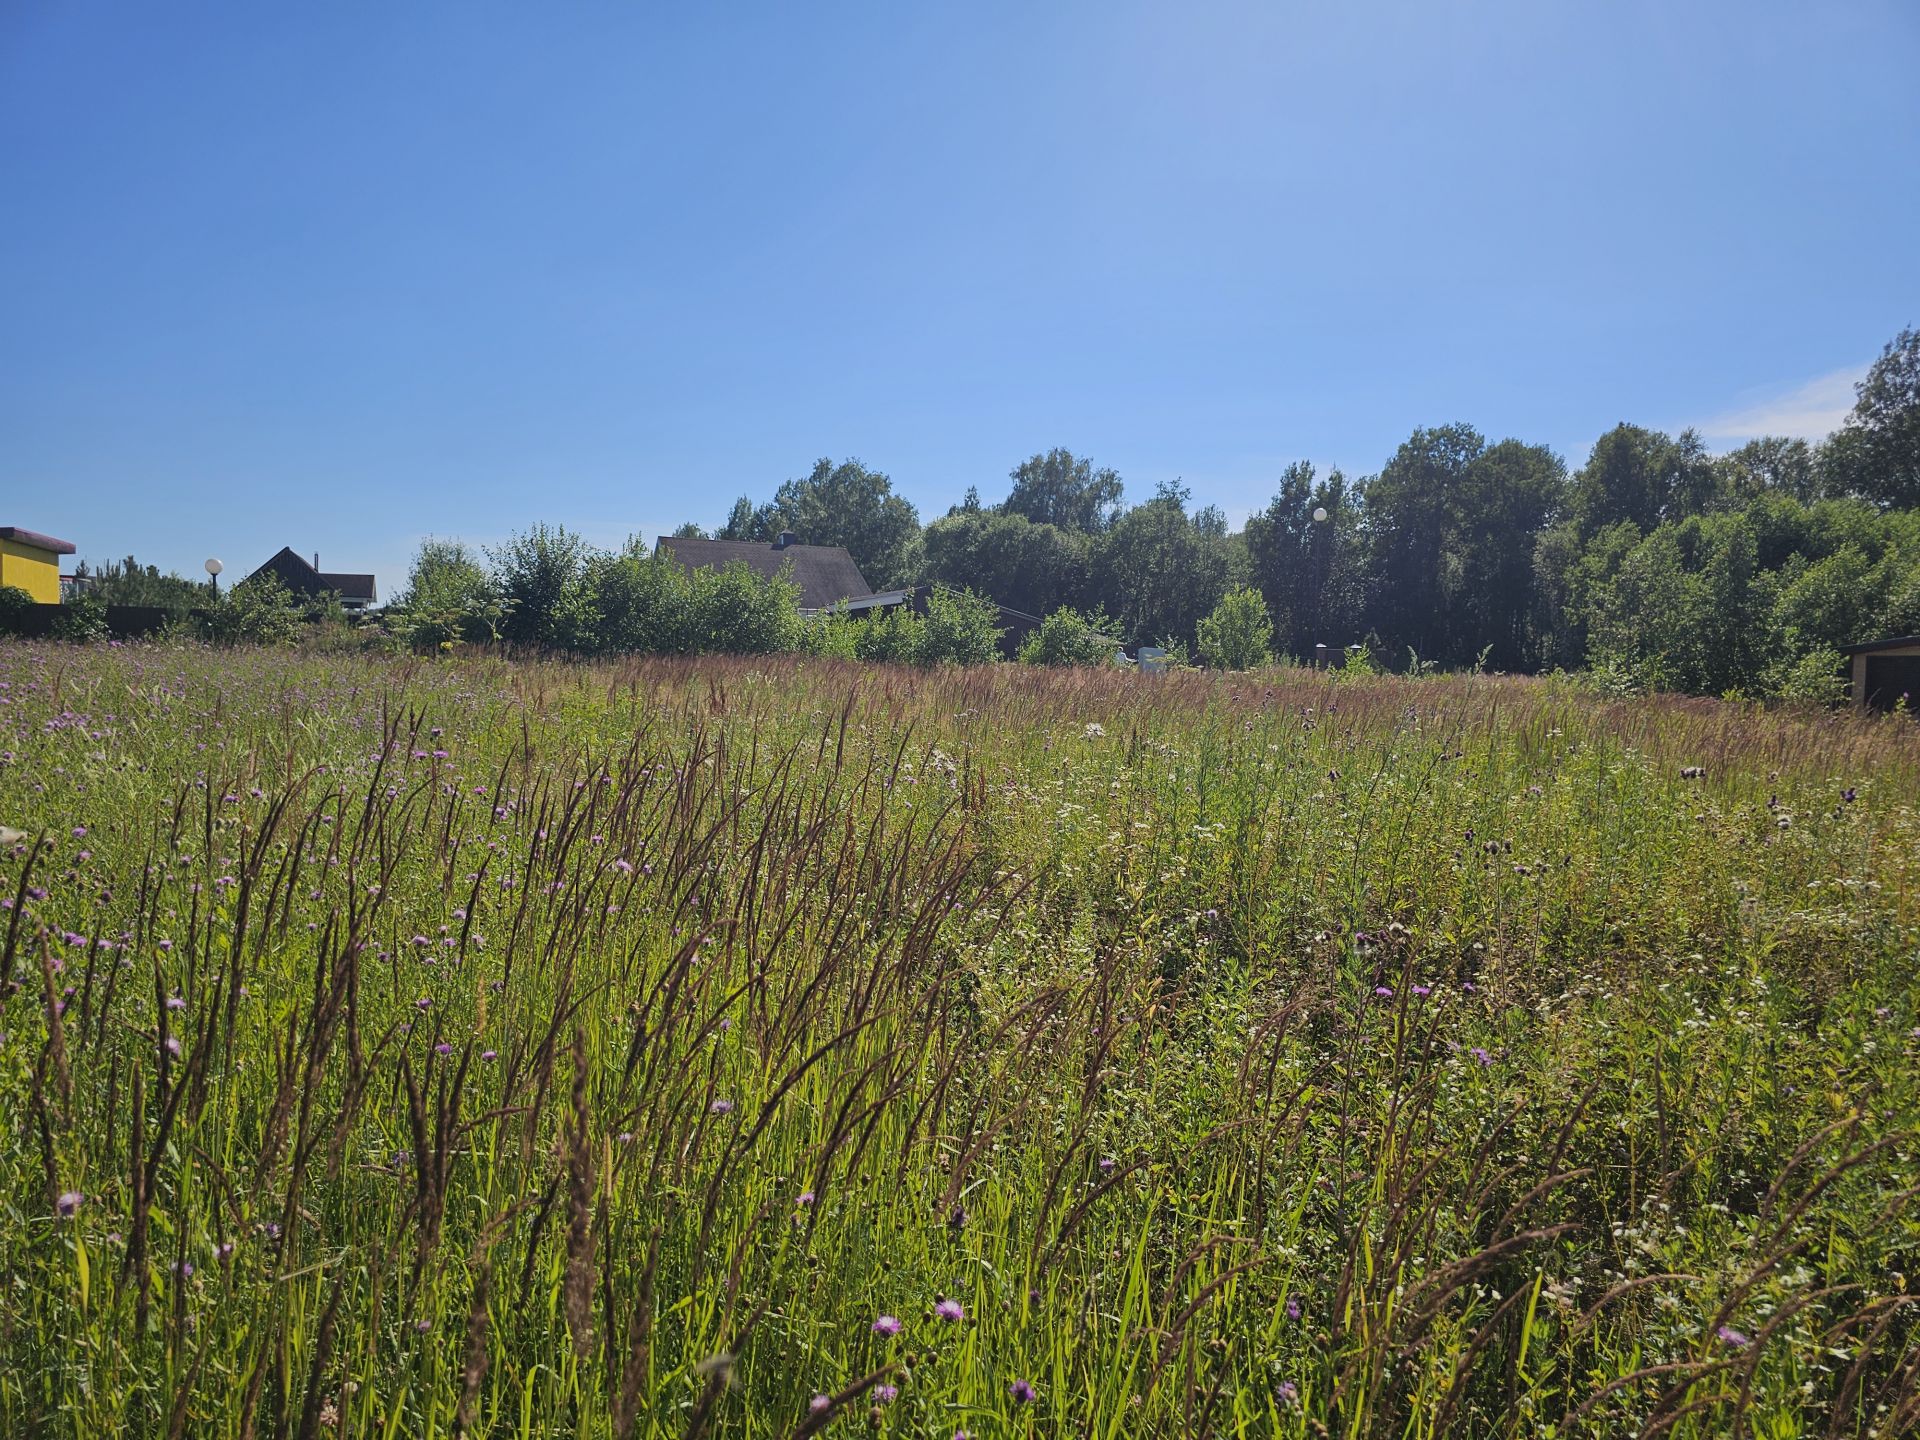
[(32, 562)]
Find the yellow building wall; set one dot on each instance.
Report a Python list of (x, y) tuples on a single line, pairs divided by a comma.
[(34, 570)]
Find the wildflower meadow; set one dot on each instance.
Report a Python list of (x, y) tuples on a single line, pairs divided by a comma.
[(782, 1047)]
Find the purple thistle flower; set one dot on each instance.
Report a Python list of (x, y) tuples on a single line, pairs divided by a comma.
[(489, 1054), (818, 1403), (1423, 990), (721, 1107), (805, 1198), (1107, 1162), (1293, 1308), (1021, 1392), (1385, 992), (173, 1046), (1732, 1336), (68, 1204), (423, 1003), (1481, 1057), (443, 1048), (950, 1310), (1288, 1392), (886, 1325), (79, 832), (886, 1394), (176, 1002)]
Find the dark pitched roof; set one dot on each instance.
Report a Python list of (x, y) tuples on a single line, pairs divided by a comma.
[(824, 573), (1896, 642), (302, 579), (35, 539)]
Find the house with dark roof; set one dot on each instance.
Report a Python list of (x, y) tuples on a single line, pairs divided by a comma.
[(356, 592), (825, 574), (1885, 672)]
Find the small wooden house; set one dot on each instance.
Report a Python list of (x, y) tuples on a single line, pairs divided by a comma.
[(30, 561), (356, 592), (1885, 672)]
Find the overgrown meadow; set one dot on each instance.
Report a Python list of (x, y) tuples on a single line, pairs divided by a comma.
[(781, 1048)]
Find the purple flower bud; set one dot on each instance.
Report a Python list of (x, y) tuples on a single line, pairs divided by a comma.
[(1021, 1392)]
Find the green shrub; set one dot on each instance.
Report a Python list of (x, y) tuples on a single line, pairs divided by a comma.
[(1070, 637), (961, 629), (1238, 635), (895, 636), (258, 611), (15, 605), (1818, 675)]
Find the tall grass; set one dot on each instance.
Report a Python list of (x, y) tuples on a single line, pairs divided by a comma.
[(404, 1049)]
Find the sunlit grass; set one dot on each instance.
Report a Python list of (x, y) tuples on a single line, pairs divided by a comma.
[(404, 1049)]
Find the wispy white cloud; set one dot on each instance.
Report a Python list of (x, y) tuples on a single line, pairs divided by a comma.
[(1810, 411)]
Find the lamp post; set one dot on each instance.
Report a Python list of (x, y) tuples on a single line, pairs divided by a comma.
[(1320, 648), (214, 567)]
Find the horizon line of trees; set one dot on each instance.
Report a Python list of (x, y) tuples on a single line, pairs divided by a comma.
[(1656, 563)]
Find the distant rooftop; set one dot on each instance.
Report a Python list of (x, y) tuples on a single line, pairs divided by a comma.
[(825, 574), (35, 539), (303, 578)]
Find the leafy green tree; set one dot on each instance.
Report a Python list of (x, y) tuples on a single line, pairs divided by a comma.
[(845, 504), (1312, 572), (1159, 573), (1410, 520), (1509, 493), (637, 600), (258, 611), (961, 629), (1646, 615), (734, 610), (1022, 565), (894, 636), (1876, 454), (540, 574), (1770, 465), (1832, 602), (449, 600), (1070, 637), (1642, 476), (1238, 635), (1063, 489)]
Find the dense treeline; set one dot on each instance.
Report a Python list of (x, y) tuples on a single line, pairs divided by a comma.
[(1655, 563)]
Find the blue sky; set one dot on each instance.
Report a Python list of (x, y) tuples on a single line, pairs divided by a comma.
[(339, 276)]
